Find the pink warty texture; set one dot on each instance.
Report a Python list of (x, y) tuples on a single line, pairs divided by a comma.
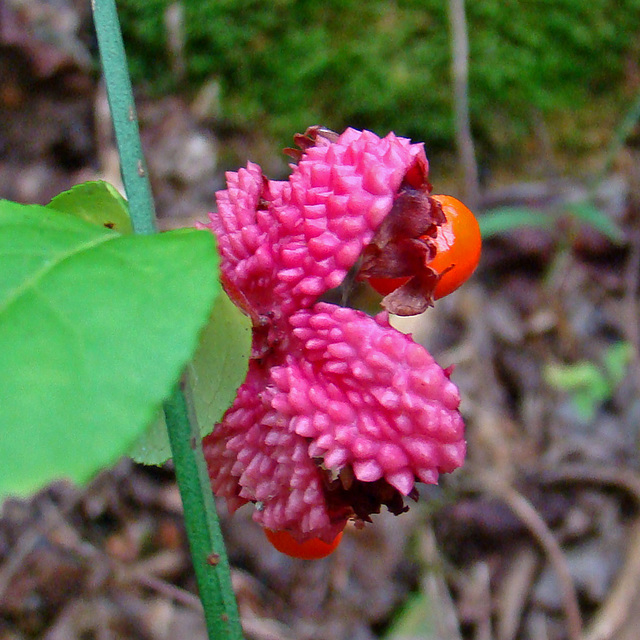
[(285, 243), (339, 413)]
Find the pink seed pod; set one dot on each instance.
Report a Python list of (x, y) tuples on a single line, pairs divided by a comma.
[(339, 413)]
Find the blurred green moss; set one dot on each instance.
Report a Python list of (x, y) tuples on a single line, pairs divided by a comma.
[(382, 65)]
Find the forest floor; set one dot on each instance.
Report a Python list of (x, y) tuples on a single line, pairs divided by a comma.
[(536, 538)]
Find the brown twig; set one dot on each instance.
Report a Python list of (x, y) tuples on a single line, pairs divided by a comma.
[(460, 72), (624, 595), (166, 589), (622, 598), (632, 283), (54, 515), (622, 479), (514, 592), (527, 513), (446, 622)]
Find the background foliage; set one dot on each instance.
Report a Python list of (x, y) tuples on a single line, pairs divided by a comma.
[(285, 64)]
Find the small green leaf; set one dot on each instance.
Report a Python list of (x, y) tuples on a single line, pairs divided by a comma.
[(95, 329), (585, 383), (588, 213), (96, 202), (617, 359), (505, 219), (220, 364), (217, 370), (153, 446), (580, 375), (416, 620)]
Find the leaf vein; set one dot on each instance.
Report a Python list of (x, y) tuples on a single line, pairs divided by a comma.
[(31, 282)]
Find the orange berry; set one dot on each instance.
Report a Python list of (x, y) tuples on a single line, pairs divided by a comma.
[(312, 549), (458, 245), (385, 286)]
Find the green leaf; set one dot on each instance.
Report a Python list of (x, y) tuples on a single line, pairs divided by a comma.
[(220, 364), (95, 329), (580, 375), (504, 219), (96, 202), (217, 370), (617, 359), (416, 620), (584, 381), (588, 213)]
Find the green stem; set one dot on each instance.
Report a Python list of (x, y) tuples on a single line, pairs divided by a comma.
[(205, 538), (123, 114)]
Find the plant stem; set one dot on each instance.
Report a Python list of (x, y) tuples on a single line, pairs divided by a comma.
[(123, 115), (205, 538), (620, 135), (460, 76)]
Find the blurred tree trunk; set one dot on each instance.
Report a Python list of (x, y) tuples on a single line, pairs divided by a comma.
[(460, 73)]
